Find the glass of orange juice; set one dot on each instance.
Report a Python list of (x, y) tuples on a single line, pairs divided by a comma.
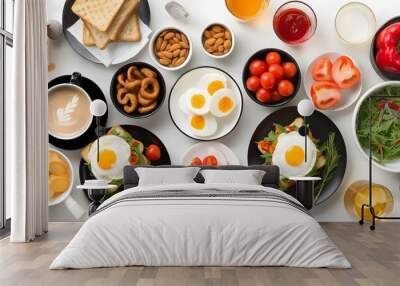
[(245, 10)]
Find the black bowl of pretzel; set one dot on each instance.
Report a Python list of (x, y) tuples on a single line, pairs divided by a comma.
[(137, 90)]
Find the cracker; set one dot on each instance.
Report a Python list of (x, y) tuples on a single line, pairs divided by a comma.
[(131, 30), (88, 40), (102, 39), (98, 13)]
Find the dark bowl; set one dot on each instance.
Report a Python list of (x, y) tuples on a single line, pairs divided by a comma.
[(286, 57), (113, 91), (383, 74)]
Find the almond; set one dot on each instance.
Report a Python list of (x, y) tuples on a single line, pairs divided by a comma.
[(165, 62), (217, 29), (227, 44), (169, 36), (158, 43), (163, 45), (219, 35), (174, 47), (209, 42), (183, 53), (228, 35), (184, 45), (180, 61), (176, 53)]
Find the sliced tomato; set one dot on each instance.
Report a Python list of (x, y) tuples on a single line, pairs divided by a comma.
[(345, 73), (322, 69), (210, 160), (134, 159), (263, 146), (196, 161), (325, 94)]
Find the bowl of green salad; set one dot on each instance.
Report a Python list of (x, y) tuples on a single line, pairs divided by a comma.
[(385, 117)]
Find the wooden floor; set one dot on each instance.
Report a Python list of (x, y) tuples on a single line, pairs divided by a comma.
[(375, 257)]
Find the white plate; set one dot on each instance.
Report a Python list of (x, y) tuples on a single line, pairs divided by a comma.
[(392, 166), (191, 79), (349, 95), (206, 148)]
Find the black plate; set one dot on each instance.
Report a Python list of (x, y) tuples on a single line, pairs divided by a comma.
[(113, 92), (139, 133), (320, 126), (286, 57), (94, 92), (204, 139), (69, 19), (383, 74)]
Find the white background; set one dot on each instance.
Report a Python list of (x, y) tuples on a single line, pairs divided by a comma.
[(250, 38)]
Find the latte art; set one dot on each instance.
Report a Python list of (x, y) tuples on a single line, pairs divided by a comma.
[(69, 111)]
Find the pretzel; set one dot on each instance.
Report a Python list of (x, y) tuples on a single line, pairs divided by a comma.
[(143, 101), (121, 96), (133, 86), (147, 109), (134, 74), (150, 88), (121, 79), (133, 103), (148, 72)]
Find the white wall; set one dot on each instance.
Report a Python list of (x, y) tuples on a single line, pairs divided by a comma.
[(250, 38)]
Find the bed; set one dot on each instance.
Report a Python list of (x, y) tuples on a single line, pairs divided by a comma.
[(199, 224)]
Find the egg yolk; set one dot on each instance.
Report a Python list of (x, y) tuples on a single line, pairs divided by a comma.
[(198, 101), (107, 159), (225, 104), (198, 122), (215, 86), (294, 156)]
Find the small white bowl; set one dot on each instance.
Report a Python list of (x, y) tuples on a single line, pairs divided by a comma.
[(349, 96), (62, 197), (393, 166), (221, 56), (153, 56)]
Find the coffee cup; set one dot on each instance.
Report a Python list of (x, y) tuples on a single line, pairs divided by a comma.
[(69, 113)]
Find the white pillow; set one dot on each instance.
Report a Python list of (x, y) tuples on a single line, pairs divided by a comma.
[(244, 177), (166, 176)]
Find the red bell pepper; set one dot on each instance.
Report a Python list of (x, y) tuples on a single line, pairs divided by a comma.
[(391, 104), (388, 48)]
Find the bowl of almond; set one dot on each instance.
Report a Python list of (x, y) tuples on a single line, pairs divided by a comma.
[(217, 40), (170, 48)]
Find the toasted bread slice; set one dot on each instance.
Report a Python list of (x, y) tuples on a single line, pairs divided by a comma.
[(99, 13)]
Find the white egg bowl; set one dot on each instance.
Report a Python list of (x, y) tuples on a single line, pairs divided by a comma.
[(191, 79), (62, 197), (153, 56), (349, 95), (392, 166)]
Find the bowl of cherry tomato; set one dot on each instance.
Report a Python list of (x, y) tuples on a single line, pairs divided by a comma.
[(271, 77)]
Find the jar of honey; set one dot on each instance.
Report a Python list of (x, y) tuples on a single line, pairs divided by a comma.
[(357, 194), (245, 10)]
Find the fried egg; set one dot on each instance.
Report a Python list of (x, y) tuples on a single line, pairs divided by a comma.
[(223, 102), (212, 82), (196, 101), (114, 155), (289, 155), (203, 125)]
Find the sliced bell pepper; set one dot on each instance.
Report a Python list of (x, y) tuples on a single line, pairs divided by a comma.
[(388, 49)]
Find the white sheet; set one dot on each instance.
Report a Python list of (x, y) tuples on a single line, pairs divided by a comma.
[(200, 231)]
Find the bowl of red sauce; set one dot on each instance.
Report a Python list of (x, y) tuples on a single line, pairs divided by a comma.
[(295, 22)]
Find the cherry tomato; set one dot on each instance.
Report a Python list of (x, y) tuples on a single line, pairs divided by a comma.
[(253, 83), (325, 94), (263, 146), (277, 70), (153, 152), (345, 73), (289, 70), (322, 69), (273, 58), (210, 160), (264, 95), (196, 162), (257, 67), (133, 159), (267, 80), (285, 88), (276, 96)]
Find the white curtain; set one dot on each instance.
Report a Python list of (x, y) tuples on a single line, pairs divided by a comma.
[(26, 123)]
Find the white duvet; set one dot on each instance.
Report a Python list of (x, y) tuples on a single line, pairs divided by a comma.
[(200, 231)]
